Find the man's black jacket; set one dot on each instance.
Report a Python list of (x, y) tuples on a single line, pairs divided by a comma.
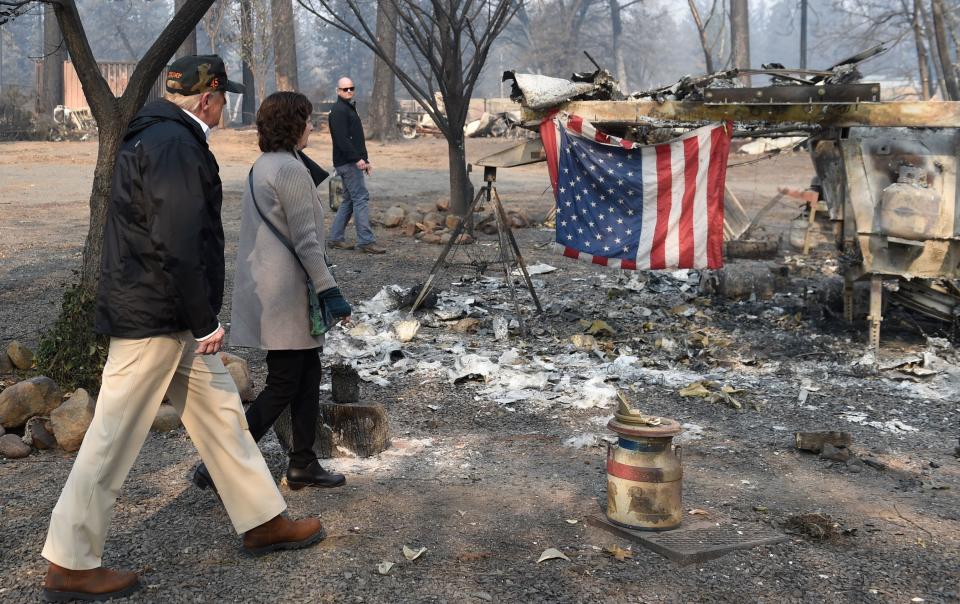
[(162, 266), (346, 130)]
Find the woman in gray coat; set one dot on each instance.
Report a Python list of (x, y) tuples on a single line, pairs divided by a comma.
[(270, 310)]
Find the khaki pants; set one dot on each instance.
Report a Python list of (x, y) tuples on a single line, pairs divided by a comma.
[(137, 375)]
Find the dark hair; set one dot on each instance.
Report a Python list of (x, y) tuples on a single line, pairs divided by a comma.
[(281, 119)]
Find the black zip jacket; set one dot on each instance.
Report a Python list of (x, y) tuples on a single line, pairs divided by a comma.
[(346, 130), (162, 265)]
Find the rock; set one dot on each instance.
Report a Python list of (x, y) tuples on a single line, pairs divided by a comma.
[(6, 365), (2, 431), (431, 238), (394, 216), (874, 463), (408, 230), (20, 355), (452, 221), (167, 419), (433, 220), (413, 217), (855, 465), (464, 239), (36, 435), (443, 205), (12, 447), (240, 372), (814, 441), (834, 453), (518, 220), (71, 420), (37, 396)]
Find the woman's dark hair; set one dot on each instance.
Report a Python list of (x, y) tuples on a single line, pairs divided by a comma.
[(281, 119)]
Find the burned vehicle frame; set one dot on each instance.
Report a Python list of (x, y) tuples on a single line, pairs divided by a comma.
[(886, 170)]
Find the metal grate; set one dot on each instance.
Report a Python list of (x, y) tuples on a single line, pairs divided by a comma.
[(695, 542)]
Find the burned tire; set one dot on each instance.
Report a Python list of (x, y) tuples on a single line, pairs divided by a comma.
[(408, 132)]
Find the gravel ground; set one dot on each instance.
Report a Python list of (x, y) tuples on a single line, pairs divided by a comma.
[(485, 488)]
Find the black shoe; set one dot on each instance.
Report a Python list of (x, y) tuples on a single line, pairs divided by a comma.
[(201, 478), (313, 476)]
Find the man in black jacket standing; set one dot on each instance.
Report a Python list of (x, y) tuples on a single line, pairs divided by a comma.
[(351, 163), (160, 290)]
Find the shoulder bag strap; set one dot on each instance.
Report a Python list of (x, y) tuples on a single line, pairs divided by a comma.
[(286, 243)]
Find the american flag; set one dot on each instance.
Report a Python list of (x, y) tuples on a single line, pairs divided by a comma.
[(628, 206)]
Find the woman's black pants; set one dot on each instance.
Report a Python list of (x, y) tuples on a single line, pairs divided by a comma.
[(293, 379)]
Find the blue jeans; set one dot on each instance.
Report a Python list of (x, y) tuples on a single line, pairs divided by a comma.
[(355, 203)]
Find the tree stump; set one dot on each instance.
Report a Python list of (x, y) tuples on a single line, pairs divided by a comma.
[(343, 429), (345, 384)]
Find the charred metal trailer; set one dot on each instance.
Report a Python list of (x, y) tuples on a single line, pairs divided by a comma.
[(887, 173)]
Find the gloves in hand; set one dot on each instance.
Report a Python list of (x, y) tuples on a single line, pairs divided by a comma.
[(336, 304)]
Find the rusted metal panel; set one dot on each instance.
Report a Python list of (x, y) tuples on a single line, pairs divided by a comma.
[(917, 114), (117, 76)]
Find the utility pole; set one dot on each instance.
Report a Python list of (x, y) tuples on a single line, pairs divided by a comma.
[(803, 34)]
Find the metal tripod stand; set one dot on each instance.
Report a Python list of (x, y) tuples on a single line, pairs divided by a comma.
[(509, 252)]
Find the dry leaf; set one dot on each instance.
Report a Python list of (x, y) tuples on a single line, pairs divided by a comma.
[(413, 554), (697, 389), (384, 567), (601, 328), (618, 552), (550, 554), (698, 512)]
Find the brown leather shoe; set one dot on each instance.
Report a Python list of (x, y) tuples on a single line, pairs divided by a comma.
[(340, 245), (96, 584), (283, 533), (371, 249)]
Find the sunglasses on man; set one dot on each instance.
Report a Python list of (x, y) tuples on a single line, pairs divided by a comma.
[(348, 89)]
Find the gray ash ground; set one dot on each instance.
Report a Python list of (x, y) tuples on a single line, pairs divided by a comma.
[(487, 487)]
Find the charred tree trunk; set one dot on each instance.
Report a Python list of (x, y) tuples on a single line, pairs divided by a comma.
[(740, 37), (284, 44), (616, 42), (54, 54), (702, 32), (248, 108), (383, 99), (943, 51), (189, 46), (921, 52)]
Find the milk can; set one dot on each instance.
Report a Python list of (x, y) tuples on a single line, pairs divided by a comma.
[(644, 473)]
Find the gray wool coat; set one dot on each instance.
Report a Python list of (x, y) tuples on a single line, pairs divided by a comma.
[(270, 309)]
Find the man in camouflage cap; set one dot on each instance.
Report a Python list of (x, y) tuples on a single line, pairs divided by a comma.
[(160, 291)]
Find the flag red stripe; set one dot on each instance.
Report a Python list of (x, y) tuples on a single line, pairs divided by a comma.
[(626, 144), (548, 136), (628, 265), (600, 260), (569, 252), (600, 137), (691, 152), (658, 252), (716, 175), (575, 123)]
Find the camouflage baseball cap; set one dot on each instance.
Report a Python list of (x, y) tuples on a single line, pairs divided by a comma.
[(196, 74)]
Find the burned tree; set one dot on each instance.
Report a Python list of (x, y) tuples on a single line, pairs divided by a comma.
[(383, 97), (449, 41), (740, 37), (71, 353), (284, 44)]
